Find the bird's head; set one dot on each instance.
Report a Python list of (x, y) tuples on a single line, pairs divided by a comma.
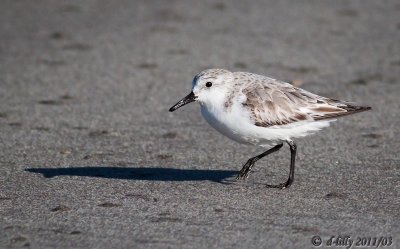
[(207, 86)]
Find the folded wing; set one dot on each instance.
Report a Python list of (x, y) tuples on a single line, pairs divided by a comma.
[(271, 102)]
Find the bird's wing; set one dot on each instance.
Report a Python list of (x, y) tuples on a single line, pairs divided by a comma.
[(271, 102)]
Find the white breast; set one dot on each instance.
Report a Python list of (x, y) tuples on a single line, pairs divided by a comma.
[(236, 124), (230, 123)]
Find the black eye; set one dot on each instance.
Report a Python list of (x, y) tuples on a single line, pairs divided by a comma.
[(208, 84)]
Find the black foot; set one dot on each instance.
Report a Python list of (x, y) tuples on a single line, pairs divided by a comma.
[(280, 186), (244, 172)]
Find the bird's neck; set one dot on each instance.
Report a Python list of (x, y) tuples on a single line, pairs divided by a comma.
[(216, 100)]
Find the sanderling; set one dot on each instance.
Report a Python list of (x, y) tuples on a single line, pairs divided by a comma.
[(257, 110)]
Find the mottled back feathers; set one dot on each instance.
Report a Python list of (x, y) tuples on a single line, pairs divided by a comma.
[(272, 102)]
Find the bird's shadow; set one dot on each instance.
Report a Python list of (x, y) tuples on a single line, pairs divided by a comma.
[(140, 173)]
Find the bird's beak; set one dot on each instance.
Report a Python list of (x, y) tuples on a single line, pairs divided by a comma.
[(186, 100)]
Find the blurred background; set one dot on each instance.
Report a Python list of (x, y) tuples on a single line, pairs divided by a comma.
[(88, 84)]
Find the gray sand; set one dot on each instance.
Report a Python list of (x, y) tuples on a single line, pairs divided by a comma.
[(90, 157)]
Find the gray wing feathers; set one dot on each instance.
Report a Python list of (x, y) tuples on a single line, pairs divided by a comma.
[(271, 102)]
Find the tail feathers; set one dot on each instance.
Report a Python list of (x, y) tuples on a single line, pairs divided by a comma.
[(348, 109), (355, 109)]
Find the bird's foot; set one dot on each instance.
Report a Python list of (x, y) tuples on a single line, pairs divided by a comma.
[(280, 186), (242, 175), (244, 172)]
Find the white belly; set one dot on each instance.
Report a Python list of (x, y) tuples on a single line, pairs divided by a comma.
[(237, 125), (225, 123)]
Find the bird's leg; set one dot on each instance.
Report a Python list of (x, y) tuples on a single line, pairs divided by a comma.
[(293, 149), (244, 172)]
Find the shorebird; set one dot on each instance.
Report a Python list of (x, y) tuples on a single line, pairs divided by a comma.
[(258, 110)]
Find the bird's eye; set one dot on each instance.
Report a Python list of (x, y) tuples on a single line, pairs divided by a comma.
[(208, 84)]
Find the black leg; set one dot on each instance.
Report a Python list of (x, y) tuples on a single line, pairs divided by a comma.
[(244, 172), (289, 181)]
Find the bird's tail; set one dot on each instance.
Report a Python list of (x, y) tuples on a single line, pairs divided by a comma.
[(347, 109)]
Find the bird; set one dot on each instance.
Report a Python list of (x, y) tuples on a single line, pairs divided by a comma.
[(261, 111)]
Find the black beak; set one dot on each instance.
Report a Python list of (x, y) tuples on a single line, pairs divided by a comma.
[(186, 100)]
